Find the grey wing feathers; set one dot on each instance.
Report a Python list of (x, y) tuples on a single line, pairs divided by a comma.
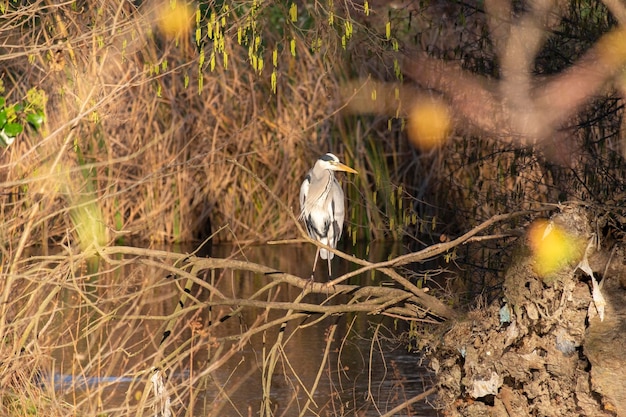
[(338, 214)]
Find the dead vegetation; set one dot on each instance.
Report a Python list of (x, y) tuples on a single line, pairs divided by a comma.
[(166, 123), (543, 348)]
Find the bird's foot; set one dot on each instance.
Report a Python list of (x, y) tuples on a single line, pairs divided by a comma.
[(310, 283), (330, 284)]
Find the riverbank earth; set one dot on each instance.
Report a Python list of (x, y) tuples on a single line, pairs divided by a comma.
[(542, 348)]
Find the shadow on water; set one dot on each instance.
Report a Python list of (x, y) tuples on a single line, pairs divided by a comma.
[(368, 370)]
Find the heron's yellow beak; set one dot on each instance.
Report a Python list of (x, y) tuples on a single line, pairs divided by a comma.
[(341, 167)]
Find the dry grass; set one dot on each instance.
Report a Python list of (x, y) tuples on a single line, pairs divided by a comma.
[(146, 128)]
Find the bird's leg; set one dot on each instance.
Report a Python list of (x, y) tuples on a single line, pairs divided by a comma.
[(330, 274), (312, 279), (330, 278), (317, 253)]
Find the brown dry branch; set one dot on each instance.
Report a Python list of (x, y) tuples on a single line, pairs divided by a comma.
[(422, 397), (381, 295), (426, 254), (106, 358), (370, 299)]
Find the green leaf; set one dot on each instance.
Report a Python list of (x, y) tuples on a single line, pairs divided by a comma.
[(3, 117), (2, 101), (35, 119), (13, 129), (18, 107)]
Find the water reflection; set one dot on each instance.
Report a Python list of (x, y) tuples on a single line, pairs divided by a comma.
[(366, 372)]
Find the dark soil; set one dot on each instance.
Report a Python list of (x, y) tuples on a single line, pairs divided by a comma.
[(541, 350)]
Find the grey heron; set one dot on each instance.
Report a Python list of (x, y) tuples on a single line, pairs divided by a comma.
[(322, 205)]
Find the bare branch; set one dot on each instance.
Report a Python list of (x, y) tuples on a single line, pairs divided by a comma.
[(421, 397), (430, 304)]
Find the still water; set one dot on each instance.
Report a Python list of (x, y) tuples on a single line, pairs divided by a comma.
[(353, 364)]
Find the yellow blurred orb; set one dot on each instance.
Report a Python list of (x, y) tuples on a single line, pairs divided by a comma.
[(552, 247), (612, 48), (429, 124), (174, 19)]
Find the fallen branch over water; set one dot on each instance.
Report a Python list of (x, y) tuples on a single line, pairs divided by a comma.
[(370, 299), (406, 301)]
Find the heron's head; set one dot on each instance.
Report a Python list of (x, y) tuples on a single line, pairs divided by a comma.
[(331, 162)]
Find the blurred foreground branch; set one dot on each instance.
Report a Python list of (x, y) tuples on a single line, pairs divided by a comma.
[(519, 105)]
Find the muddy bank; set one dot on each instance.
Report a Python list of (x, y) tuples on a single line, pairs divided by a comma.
[(541, 349)]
